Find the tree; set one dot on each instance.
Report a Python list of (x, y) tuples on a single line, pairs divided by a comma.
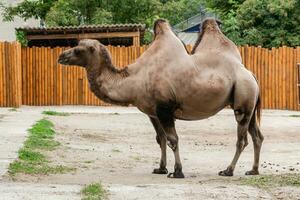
[(268, 23), (74, 12), (27, 9)]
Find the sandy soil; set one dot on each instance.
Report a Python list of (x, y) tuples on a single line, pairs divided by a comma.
[(120, 151)]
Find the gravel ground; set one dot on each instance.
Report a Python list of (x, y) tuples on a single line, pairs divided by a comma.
[(116, 146)]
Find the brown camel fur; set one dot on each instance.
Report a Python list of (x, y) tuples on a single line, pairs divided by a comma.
[(167, 83)]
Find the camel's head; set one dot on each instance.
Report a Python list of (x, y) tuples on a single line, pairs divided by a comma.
[(82, 55)]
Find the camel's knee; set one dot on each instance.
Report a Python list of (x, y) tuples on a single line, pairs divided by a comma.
[(239, 115), (172, 141), (240, 144)]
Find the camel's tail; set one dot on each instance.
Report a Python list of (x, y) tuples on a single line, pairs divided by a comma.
[(258, 109)]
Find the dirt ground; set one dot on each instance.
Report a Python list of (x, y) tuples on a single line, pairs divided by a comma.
[(120, 151)]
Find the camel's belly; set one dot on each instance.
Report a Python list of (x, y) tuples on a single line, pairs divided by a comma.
[(194, 114)]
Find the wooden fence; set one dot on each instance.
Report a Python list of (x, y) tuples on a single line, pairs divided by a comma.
[(32, 76), (10, 74)]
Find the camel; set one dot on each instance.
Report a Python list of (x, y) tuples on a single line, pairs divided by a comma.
[(166, 83)]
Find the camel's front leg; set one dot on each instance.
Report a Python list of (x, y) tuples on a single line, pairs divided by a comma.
[(161, 140), (165, 116)]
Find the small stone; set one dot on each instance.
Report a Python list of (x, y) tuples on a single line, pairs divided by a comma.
[(292, 169)]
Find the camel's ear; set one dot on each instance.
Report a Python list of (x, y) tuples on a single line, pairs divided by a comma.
[(91, 49)]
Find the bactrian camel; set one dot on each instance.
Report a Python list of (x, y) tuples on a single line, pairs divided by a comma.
[(167, 83)]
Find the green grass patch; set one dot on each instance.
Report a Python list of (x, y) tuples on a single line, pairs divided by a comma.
[(93, 191), (54, 113), (115, 150), (31, 158), (13, 109), (294, 115), (268, 181), (137, 158), (33, 168), (88, 161)]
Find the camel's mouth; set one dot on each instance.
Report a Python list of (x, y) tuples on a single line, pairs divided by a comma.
[(63, 59)]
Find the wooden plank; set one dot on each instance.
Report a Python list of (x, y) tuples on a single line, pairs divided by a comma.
[(51, 67), (37, 78), (8, 74), (266, 77), (31, 77), (288, 80), (60, 79), (19, 73), (296, 90), (43, 96), (1, 75), (284, 66)]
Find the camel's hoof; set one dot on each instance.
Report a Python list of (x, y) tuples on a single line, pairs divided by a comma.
[(226, 173), (160, 171), (252, 172), (176, 175)]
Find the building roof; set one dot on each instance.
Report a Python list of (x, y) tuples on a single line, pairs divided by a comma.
[(84, 29), (114, 34), (188, 38)]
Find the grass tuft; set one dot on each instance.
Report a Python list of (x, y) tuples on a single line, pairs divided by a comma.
[(116, 150), (33, 168), (31, 159), (294, 115), (93, 191), (31, 156), (13, 109), (54, 113), (273, 180)]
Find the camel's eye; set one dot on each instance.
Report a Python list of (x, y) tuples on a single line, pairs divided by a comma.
[(77, 52)]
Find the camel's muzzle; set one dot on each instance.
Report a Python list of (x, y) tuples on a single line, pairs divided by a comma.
[(63, 59)]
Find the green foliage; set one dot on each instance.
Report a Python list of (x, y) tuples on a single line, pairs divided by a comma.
[(268, 23), (74, 12), (93, 191), (177, 11), (31, 158), (273, 180), (33, 168), (21, 37), (27, 9), (54, 113)]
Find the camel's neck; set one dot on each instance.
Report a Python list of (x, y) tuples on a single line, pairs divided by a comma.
[(110, 84)]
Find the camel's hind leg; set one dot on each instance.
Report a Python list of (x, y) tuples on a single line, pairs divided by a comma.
[(257, 139), (161, 140), (241, 143)]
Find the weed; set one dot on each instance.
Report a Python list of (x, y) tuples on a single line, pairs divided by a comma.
[(55, 113), (93, 191), (273, 180), (31, 160)]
